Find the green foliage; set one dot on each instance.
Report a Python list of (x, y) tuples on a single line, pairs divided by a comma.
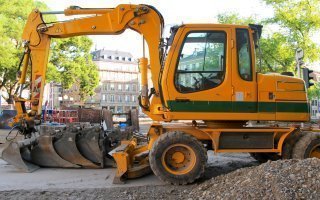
[(278, 53), (297, 21), (314, 91), (70, 60), (74, 65), (301, 19), (234, 18)]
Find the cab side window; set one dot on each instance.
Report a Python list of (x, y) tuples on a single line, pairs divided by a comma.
[(244, 54), (201, 64)]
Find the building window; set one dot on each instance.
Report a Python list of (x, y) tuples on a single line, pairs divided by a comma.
[(112, 86), (117, 57), (133, 98), (129, 59), (119, 109), (127, 87), (119, 98), (103, 97), (120, 87), (112, 108), (134, 87), (109, 57), (111, 98), (124, 58), (127, 98)]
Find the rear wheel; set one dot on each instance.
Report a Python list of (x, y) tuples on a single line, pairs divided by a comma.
[(178, 158), (307, 147)]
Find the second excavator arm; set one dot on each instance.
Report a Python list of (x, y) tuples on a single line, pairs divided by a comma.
[(143, 19)]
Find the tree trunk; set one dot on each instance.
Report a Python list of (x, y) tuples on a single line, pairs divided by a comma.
[(10, 100)]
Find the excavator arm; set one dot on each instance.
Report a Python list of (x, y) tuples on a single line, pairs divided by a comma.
[(37, 34)]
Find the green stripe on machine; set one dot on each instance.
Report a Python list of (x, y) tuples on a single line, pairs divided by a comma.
[(238, 107)]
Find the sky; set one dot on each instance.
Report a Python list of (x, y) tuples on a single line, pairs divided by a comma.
[(175, 12)]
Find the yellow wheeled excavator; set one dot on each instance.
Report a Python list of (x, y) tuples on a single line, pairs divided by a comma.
[(203, 74)]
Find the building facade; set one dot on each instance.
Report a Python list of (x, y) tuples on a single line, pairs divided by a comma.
[(119, 86)]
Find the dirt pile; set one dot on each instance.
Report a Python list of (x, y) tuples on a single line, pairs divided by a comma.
[(283, 179)]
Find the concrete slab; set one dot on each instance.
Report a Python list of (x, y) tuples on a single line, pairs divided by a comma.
[(51, 178), (54, 178)]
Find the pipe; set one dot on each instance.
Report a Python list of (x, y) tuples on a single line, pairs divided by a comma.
[(24, 67), (143, 66)]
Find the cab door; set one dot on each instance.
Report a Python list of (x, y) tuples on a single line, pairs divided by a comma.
[(198, 77), (244, 84)]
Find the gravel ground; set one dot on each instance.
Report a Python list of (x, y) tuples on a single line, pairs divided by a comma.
[(20, 186), (228, 176), (283, 179), (286, 179)]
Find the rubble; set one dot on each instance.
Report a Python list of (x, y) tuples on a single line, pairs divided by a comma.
[(283, 179)]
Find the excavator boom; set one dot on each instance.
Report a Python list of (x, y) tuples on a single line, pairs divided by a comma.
[(77, 146), (143, 19)]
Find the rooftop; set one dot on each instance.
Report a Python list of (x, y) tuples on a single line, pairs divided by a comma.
[(112, 55)]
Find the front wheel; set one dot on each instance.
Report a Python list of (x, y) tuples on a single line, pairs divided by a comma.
[(178, 158)]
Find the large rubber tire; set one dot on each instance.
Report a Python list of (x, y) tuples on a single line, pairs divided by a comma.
[(289, 143), (264, 157), (306, 145), (168, 140)]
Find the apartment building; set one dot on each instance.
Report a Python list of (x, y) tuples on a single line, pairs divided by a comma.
[(119, 87)]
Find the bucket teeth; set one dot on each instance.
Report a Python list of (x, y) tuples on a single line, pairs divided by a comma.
[(45, 155), (13, 155), (67, 149)]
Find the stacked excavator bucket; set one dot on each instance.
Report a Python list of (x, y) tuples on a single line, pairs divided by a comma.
[(81, 145), (73, 147)]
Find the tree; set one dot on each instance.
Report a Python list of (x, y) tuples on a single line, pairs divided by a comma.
[(300, 19), (70, 59), (277, 53), (71, 63), (278, 47)]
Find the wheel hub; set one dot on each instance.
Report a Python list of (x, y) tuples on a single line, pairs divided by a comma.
[(178, 159), (315, 152)]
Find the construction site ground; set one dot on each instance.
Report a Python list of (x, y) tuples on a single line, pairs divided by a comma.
[(55, 183)]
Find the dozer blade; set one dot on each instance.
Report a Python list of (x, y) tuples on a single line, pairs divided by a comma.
[(13, 155), (88, 145), (67, 149), (45, 155), (128, 164)]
